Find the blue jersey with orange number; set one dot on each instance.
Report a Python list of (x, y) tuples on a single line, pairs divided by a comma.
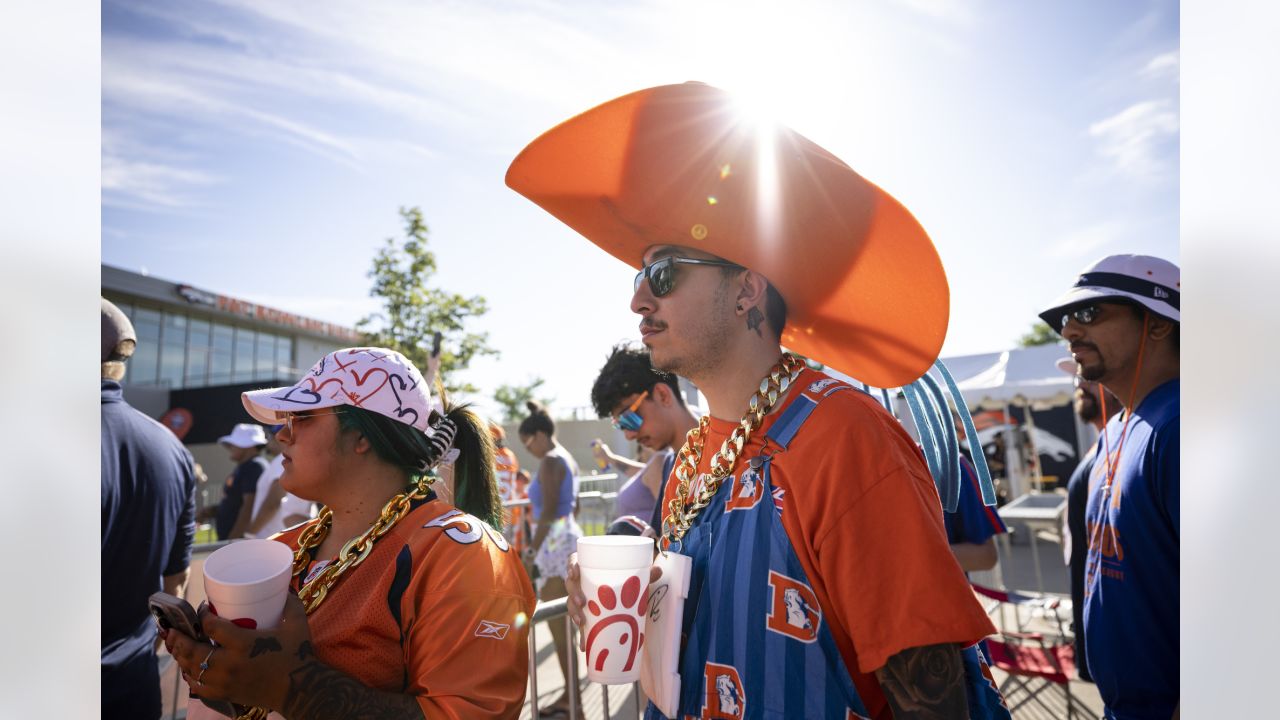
[(1131, 573)]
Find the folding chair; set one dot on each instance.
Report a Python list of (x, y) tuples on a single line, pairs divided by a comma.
[(1028, 657)]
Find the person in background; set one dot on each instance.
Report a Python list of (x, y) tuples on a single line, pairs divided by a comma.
[(512, 486), (553, 498), (972, 528), (1121, 320), (646, 405), (148, 525), (432, 622), (275, 509), (1087, 401), (244, 445)]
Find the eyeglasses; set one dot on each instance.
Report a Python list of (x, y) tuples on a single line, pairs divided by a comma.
[(1086, 315), (291, 417), (629, 419), (661, 274)]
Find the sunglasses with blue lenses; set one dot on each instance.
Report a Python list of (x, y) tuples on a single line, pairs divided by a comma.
[(661, 273), (629, 419)]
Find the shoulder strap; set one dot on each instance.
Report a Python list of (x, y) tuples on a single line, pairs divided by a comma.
[(786, 427)]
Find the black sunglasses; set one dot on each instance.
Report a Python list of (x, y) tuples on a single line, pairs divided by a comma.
[(1086, 315), (661, 274)]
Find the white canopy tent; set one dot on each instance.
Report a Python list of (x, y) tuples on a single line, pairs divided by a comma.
[(1023, 377)]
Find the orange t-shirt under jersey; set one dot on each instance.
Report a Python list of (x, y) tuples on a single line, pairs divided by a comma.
[(863, 515)]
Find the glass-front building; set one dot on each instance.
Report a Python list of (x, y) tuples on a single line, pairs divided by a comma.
[(181, 349), (192, 338)]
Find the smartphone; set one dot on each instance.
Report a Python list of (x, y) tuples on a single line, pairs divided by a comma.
[(435, 343), (175, 613)]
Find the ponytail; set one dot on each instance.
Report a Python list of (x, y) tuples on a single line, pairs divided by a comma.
[(475, 481), (537, 421)]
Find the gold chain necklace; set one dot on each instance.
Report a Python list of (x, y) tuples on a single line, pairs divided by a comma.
[(682, 513), (352, 554)]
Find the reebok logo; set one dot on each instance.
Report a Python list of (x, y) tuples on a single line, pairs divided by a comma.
[(489, 629)]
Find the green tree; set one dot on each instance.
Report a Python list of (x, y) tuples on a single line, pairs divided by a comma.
[(413, 312), (512, 399), (1039, 334)]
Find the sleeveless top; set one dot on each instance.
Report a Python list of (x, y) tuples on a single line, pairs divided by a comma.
[(634, 497), (568, 487)]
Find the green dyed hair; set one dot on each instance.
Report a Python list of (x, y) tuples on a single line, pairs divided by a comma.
[(475, 481)]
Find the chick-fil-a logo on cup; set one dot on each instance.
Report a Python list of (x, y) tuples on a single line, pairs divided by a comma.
[(615, 579)]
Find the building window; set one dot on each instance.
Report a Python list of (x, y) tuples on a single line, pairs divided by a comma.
[(173, 350), (146, 357), (198, 352), (242, 372), (284, 359), (221, 354)]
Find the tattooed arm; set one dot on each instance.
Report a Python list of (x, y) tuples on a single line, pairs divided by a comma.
[(318, 692), (925, 682), (278, 669)]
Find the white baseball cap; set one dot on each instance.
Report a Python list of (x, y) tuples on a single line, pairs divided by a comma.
[(376, 379), (1151, 282), (245, 435)]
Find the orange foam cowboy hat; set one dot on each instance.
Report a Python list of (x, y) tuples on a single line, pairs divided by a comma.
[(680, 165)]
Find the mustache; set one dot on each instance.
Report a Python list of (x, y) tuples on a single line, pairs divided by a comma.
[(651, 324)]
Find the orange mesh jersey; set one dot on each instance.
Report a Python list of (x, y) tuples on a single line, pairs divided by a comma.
[(863, 516), (511, 486), (439, 610)]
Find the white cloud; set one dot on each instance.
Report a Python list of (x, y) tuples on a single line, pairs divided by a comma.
[(1086, 242), (1137, 138), (956, 11), (1162, 65)]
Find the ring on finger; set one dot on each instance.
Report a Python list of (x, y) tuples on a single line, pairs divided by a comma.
[(204, 665)]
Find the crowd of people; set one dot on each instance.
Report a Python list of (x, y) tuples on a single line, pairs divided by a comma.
[(826, 581)]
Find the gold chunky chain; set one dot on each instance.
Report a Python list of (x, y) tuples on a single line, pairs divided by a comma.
[(682, 512), (352, 554)]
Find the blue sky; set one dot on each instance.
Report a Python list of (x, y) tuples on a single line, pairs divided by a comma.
[(261, 149)]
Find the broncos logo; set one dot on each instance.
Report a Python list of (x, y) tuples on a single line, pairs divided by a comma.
[(795, 612), (466, 529), (745, 491), (725, 697)]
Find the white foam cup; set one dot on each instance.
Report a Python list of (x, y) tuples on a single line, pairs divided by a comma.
[(248, 580), (615, 579)]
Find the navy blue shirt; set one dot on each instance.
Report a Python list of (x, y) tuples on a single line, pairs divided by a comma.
[(972, 522), (1077, 501), (243, 481), (1131, 574), (148, 523)]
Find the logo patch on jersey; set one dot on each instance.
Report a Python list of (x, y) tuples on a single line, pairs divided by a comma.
[(794, 611), (490, 629), (725, 697), (466, 529), (821, 385), (746, 490)]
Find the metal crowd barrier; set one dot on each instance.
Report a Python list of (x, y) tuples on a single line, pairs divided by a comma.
[(549, 611)]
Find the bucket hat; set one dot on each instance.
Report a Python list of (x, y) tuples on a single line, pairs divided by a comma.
[(1151, 282), (245, 435), (376, 379), (681, 165)]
